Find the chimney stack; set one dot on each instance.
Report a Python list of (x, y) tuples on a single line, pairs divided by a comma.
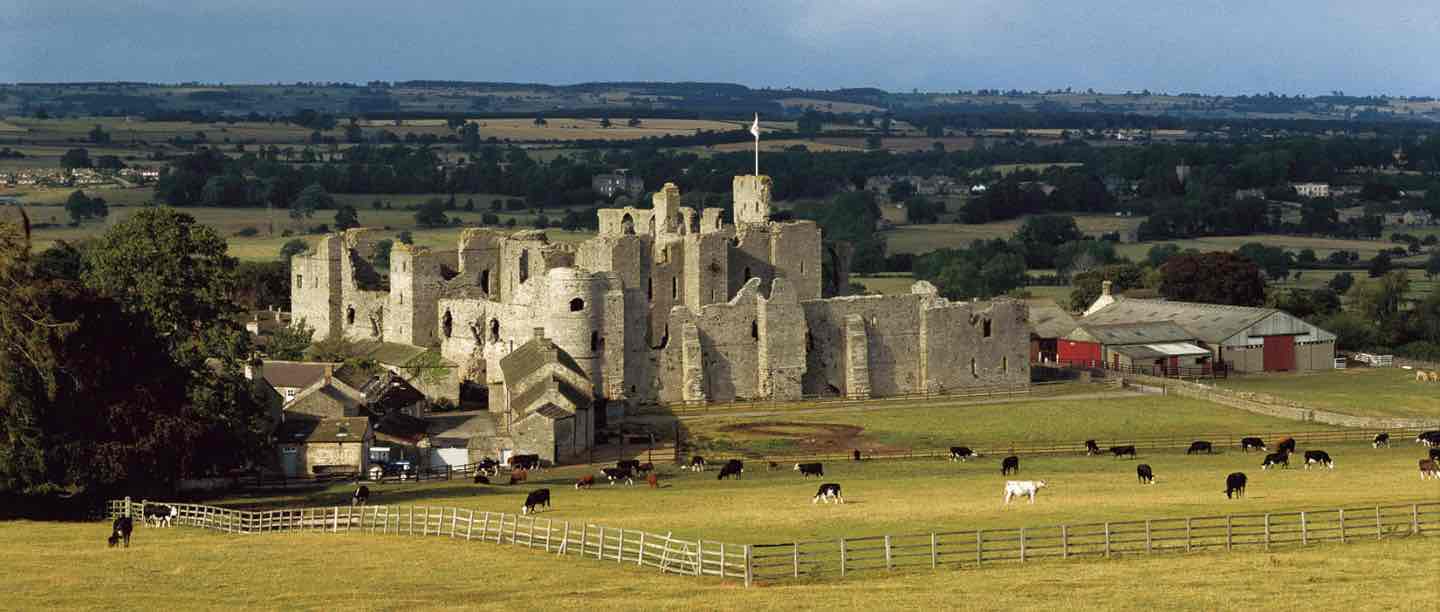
[(1105, 288), (329, 373), (539, 333)]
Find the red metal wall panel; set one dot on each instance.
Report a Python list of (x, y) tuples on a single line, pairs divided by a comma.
[(1279, 353)]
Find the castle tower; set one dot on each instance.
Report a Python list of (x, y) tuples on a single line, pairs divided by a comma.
[(316, 289), (667, 209), (752, 199)]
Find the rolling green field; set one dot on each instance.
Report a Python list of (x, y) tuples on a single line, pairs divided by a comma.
[(919, 239), (1322, 246), (1361, 391), (66, 566)]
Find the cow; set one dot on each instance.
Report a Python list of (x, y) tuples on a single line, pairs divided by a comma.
[(1429, 468), (1145, 474), (518, 476), (1199, 446), (1248, 443), (733, 467), (1010, 464), (481, 478), (585, 482), (1428, 438), (1015, 488), (1235, 483), (1276, 459), (1091, 448), (961, 453), (525, 462), (829, 492), (120, 530), (772, 466), (697, 463), (1287, 446), (1435, 454), (536, 498), (1122, 451), (810, 469), (629, 465), (360, 497), (1381, 439), (618, 474), (855, 454), (653, 480), (1318, 456), (159, 515), (645, 468)]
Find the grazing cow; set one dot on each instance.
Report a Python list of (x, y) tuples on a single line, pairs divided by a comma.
[(855, 454), (645, 468), (519, 476), (1274, 459), (1287, 446), (488, 466), (1199, 446), (629, 465), (961, 453), (525, 462), (1235, 483), (120, 530), (1122, 451), (1010, 464), (829, 492), (1428, 438), (536, 498), (1145, 474), (481, 478), (1248, 443), (159, 515), (1091, 448), (810, 469), (1429, 468), (585, 482), (1381, 439), (617, 474), (772, 466), (697, 463), (733, 467), (1435, 454), (361, 496), (653, 480), (1014, 488), (1318, 456)]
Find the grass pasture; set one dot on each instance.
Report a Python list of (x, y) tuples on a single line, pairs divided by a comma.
[(1360, 391), (1322, 246), (919, 239)]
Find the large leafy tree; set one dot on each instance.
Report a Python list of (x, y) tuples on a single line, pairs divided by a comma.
[(1217, 278), (1042, 235)]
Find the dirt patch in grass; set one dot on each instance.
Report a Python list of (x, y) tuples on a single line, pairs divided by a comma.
[(802, 437)]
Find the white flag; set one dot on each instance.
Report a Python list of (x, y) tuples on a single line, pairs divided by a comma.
[(755, 127)]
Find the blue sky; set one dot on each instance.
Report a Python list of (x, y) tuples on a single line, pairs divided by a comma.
[(1207, 46)]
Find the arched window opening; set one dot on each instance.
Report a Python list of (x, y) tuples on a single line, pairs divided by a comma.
[(594, 341), (747, 274), (485, 280), (674, 288), (652, 225), (524, 265), (350, 315), (802, 266), (719, 223), (973, 371), (447, 324), (627, 224), (577, 305), (402, 297), (985, 328), (300, 281), (649, 289), (494, 330), (755, 330), (1005, 364)]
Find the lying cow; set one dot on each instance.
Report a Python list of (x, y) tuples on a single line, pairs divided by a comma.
[(733, 467), (585, 482), (1199, 446), (961, 453), (1276, 459), (159, 515), (617, 474), (810, 469), (1010, 465), (1015, 488), (1256, 443), (1235, 483), (1428, 438), (697, 463), (120, 530), (360, 497), (1091, 448), (1287, 446), (1145, 474), (1319, 457), (829, 492), (536, 498), (1381, 439), (1123, 451), (481, 478), (1429, 468)]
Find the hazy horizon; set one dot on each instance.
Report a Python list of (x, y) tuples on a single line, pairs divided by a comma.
[(1219, 47)]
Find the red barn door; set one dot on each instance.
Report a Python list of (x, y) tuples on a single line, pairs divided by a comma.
[(1279, 353)]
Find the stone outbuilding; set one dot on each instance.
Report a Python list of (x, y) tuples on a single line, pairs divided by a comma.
[(548, 401), (314, 447)]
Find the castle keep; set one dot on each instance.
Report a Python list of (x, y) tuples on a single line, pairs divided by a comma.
[(665, 305)]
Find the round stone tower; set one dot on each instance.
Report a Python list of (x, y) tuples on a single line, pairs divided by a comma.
[(574, 314)]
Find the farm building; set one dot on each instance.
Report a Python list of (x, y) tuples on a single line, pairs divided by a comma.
[(310, 447), (1048, 321), (547, 400), (1246, 339), (292, 377), (1159, 347)]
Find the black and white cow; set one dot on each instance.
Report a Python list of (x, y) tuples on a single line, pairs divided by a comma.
[(1010, 465), (697, 464), (1256, 443), (1123, 451), (632, 465), (829, 492), (1381, 439), (120, 531), (1276, 459), (1091, 448), (525, 462), (1428, 438), (1318, 456), (1235, 483), (1435, 454), (810, 469), (536, 498), (616, 474), (1144, 473), (159, 515), (733, 467), (961, 453), (488, 466), (361, 496), (1199, 446)]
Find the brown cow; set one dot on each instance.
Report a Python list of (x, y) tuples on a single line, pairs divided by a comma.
[(518, 476), (585, 482), (1429, 469), (653, 480)]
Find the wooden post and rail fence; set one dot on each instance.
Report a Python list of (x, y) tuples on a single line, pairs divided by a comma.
[(816, 559)]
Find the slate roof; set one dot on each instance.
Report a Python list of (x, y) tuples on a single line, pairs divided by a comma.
[(400, 426), (1212, 323), (350, 429), (1135, 333), (577, 398), (1049, 320), (295, 374), (533, 355)]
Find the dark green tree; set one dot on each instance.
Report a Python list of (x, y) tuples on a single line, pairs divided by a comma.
[(75, 158), (346, 217), (1216, 278), (432, 214), (309, 200)]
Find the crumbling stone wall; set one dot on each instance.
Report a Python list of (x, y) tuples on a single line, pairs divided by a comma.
[(316, 288)]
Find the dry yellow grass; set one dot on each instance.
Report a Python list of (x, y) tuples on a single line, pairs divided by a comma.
[(925, 238)]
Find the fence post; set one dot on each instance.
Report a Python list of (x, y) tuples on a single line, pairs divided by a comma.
[(1267, 531), (1107, 539), (979, 547), (749, 575), (1064, 542), (620, 549), (335, 521), (934, 551), (1187, 534), (1022, 544), (888, 565), (585, 539), (842, 556), (1379, 524), (640, 557), (1342, 525), (1415, 519), (1304, 530), (454, 520), (1148, 549), (1229, 533)]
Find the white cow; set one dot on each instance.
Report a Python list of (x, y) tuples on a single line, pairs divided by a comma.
[(1015, 488)]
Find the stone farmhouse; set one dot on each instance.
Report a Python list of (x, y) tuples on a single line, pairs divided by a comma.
[(665, 305)]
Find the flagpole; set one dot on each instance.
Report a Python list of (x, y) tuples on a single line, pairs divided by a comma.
[(755, 129)]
